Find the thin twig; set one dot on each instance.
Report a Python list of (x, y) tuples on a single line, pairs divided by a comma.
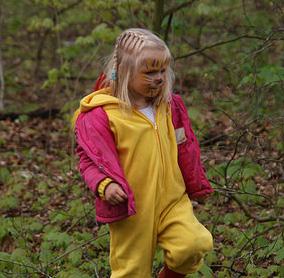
[(206, 55), (232, 158), (221, 43), (229, 194), (28, 266), (76, 248), (251, 239), (255, 217)]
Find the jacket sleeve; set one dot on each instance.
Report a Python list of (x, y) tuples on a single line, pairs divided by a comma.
[(193, 171), (89, 170), (92, 141), (99, 160)]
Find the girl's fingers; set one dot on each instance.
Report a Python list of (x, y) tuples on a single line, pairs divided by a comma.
[(118, 198), (122, 194)]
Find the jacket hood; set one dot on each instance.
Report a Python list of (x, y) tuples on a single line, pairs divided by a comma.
[(95, 99)]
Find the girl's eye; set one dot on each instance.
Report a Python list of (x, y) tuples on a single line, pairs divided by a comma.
[(155, 71)]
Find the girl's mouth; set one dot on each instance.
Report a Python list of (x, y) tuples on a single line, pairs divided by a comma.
[(155, 87)]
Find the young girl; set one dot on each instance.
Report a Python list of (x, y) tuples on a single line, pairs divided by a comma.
[(139, 155)]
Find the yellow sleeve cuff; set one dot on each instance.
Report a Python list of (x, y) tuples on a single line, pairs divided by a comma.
[(102, 187)]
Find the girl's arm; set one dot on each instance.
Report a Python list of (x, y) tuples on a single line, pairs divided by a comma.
[(89, 171), (103, 186), (96, 150), (193, 171)]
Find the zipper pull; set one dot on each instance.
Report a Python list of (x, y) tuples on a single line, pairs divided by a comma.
[(155, 126)]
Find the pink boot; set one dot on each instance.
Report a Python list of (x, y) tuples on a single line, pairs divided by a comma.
[(167, 273)]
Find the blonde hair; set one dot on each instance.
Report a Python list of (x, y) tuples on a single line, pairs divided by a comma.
[(128, 53)]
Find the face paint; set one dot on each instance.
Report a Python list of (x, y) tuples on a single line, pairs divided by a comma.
[(150, 77)]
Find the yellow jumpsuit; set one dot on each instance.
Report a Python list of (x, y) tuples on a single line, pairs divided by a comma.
[(148, 156)]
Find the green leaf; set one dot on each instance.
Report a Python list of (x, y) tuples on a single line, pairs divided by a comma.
[(58, 239), (249, 79), (59, 216), (280, 203), (281, 271), (280, 255), (20, 255), (270, 74), (103, 33), (4, 175), (46, 255), (5, 264), (82, 236), (240, 168), (159, 257), (72, 273), (9, 202), (206, 271), (75, 256), (85, 41), (261, 242), (36, 23), (232, 218), (35, 227), (211, 257)]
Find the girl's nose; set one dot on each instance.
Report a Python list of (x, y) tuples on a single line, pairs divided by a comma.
[(159, 80)]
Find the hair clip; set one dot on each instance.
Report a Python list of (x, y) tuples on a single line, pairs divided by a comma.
[(113, 74)]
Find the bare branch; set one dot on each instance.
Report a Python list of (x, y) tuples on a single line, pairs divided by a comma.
[(76, 248), (255, 217), (177, 7), (247, 211), (221, 43), (249, 240), (35, 269), (206, 56), (69, 7)]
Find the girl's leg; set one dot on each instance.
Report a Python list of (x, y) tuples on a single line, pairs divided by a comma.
[(184, 240), (132, 248)]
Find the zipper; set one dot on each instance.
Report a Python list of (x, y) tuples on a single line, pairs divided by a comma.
[(161, 153), (156, 128)]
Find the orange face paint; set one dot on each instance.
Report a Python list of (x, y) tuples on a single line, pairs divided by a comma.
[(150, 77)]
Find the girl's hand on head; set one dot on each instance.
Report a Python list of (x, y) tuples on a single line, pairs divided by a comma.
[(114, 194)]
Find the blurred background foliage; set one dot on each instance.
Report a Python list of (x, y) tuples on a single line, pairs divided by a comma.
[(229, 67)]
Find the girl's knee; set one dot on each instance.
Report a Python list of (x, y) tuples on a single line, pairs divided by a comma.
[(205, 241), (188, 257)]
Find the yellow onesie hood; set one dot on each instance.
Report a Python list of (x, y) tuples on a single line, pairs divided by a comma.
[(97, 98)]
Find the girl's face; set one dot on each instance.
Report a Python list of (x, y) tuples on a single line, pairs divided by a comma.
[(150, 77)]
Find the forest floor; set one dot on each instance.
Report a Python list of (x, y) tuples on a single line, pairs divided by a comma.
[(48, 227)]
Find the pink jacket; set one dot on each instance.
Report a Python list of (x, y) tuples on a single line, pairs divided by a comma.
[(99, 159)]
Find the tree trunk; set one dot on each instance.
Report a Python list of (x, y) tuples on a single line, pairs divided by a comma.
[(158, 16), (2, 84)]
